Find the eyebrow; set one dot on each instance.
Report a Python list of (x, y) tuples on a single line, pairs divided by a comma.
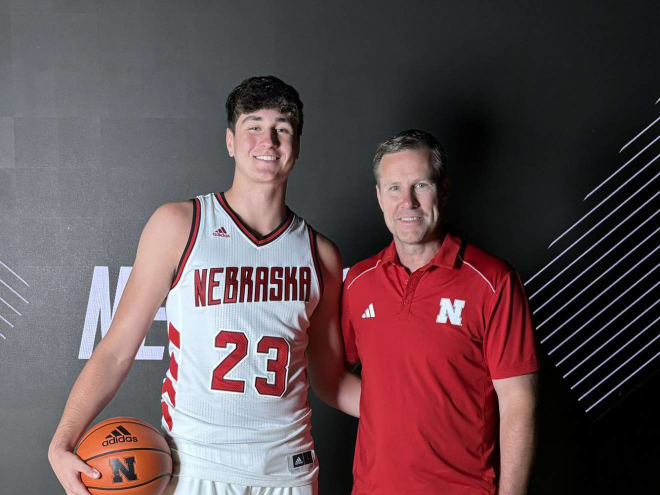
[(256, 118)]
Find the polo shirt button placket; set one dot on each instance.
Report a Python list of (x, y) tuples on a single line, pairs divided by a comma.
[(406, 284), (410, 291)]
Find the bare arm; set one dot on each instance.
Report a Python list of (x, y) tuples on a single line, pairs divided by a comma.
[(329, 378), (161, 244), (517, 399)]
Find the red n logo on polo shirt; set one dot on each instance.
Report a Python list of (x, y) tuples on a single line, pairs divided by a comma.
[(450, 310)]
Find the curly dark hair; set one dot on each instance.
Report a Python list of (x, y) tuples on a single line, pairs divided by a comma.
[(261, 92)]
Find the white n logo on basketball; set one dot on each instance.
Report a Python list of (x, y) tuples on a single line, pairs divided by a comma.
[(451, 310)]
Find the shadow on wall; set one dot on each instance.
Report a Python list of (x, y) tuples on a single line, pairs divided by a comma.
[(464, 126), (470, 136)]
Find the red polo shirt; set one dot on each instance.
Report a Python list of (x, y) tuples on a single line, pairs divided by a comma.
[(430, 344)]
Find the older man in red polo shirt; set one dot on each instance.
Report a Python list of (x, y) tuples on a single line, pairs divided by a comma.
[(444, 335)]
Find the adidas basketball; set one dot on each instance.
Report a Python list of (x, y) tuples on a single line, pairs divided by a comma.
[(131, 455)]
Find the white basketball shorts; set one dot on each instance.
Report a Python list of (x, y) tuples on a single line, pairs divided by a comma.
[(181, 485)]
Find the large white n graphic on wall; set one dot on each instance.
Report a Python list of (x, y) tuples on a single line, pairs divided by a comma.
[(450, 310), (98, 308)]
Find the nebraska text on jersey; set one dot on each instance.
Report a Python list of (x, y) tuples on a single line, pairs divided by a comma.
[(233, 284)]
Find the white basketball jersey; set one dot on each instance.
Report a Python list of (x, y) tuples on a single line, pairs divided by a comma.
[(235, 395)]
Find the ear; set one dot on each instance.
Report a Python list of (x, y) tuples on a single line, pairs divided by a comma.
[(229, 137)]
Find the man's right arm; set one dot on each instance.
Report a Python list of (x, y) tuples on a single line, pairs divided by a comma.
[(159, 250)]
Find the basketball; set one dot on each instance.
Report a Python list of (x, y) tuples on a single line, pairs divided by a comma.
[(131, 455)]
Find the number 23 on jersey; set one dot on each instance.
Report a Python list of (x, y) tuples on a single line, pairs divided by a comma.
[(279, 365)]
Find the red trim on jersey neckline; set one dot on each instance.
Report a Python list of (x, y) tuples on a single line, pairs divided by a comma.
[(192, 237), (315, 258), (257, 240), (446, 256)]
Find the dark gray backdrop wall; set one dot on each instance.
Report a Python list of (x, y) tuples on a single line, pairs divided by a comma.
[(110, 108)]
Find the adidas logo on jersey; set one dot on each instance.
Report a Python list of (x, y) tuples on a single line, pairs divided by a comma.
[(119, 435), (299, 460), (369, 312), (221, 232)]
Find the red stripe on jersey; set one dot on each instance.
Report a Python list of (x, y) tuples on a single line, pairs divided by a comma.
[(315, 258), (174, 367), (239, 223), (166, 414), (167, 387), (192, 237), (174, 336)]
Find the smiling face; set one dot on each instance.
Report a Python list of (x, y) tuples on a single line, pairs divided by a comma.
[(409, 197), (265, 146)]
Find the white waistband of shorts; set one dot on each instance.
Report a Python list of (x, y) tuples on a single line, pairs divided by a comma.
[(197, 461)]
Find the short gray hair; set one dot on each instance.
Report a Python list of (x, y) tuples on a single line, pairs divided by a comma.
[(414, 139)]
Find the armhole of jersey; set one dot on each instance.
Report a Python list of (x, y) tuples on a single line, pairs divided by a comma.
[(315, 258), (192, 237)]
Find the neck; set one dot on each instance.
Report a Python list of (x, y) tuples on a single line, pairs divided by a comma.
[(415, 256), (262, 207)]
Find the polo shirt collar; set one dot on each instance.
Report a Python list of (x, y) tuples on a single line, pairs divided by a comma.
[(446, 256)]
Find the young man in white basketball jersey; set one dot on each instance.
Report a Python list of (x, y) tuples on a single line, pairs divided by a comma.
[(252, 305)]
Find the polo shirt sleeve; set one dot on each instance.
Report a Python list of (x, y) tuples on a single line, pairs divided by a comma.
[(347, 330), (509, 346)]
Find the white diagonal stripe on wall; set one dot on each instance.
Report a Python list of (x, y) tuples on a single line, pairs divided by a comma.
[(617, 351), (610, 286), (595, 334), (14, 273), (596, 315), (17, 294), (619, 367), (594, 299), (621, 383), (601, 221), (597, 279), (7, 322), (611, 324), (12, 307), (621, 168), (633, 139), (594, 263), (603, 201)]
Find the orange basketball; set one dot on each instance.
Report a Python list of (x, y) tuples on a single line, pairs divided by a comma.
[(131, 455)]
